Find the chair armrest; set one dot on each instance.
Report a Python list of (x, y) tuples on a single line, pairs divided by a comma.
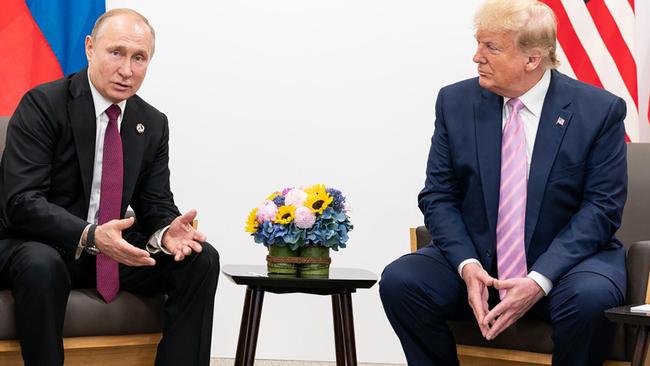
[(638, 272)]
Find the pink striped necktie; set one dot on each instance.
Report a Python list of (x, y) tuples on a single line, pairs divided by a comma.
[(511, 252), (110, 202)]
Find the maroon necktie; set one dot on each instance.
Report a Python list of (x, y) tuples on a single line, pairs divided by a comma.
[(110, 202)]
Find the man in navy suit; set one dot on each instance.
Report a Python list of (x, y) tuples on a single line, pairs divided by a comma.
[(525, 187)]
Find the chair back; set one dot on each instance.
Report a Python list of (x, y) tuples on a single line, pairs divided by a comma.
[(4, 122), (634, 226)]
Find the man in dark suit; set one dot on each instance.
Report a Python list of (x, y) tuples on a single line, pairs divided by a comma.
[(79, 151), (525, 186)]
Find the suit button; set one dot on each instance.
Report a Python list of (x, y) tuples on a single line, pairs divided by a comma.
[(488, 253)]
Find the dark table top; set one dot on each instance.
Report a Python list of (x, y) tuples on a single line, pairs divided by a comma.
[(339, 279), (622, 314)]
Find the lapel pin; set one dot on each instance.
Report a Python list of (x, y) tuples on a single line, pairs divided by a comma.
[(560, 121), (140, 128)]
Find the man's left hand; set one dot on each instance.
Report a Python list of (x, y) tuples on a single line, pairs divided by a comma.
[(522, 294), (181, 239)]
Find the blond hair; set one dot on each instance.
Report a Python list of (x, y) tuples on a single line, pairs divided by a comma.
[(533, 23), (123, 11)]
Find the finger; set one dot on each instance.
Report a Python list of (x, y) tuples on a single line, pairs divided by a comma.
[(189, 216), (494, 313), (186, 250), (503, 284), (197, 247), (199, 236), (124, 223), (504, 321), (179, 256), (133, 251)]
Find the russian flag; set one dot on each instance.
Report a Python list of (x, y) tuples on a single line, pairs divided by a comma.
[(40, 41)]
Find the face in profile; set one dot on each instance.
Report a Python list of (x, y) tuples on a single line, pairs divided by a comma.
[(118, 56), (501, 66)]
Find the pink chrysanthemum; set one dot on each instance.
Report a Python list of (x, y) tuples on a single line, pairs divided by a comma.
[(266, 211), (304, 218), (295, 197)]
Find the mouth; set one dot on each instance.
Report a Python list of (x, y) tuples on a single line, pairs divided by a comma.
[(121, 86)]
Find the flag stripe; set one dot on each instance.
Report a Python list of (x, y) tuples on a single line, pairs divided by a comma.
[(26, 59), (602, 61), (616, 46), (575, 52)]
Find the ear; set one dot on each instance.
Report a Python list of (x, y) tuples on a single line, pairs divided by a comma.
[(534, 59), (90, 49)]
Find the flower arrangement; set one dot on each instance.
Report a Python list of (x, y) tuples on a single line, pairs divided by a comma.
[(300, 217)]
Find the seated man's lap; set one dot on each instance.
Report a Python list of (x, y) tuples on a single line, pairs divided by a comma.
[(428, 280)]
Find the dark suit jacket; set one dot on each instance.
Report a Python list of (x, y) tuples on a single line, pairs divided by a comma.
[(576, 189), (47, 166)]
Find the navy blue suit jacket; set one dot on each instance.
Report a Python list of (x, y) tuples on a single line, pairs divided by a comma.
[(576, 189)]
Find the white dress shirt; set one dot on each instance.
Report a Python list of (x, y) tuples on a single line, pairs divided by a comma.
[(154, 244), (533, 101)]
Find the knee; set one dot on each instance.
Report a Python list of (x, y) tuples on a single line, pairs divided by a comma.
[(589, 298), (395, 283), (207, 261), (40, 268)]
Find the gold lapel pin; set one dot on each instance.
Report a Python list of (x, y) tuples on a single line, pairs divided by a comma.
[(139, 128)]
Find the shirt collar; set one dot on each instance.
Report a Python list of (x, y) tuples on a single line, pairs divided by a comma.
[(101, 103), (533, 99)]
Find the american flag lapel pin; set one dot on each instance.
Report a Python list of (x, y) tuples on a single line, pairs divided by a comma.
[(560, 121)]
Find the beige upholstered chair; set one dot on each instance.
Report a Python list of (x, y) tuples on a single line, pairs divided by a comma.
[(528, 342), (124, 332)]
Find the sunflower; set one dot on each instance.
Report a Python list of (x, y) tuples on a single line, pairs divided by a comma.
[(285, 214), (251, 223), (317, 198)]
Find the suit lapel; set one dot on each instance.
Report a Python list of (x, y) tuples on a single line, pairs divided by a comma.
[(132, 147), (487, 117), (550, 133), (84, 124)]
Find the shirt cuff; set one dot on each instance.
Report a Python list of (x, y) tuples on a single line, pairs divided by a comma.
[(81, 245), (467, 261), (154, 245), (542, 281)]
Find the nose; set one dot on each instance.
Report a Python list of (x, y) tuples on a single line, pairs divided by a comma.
[(125, 70), (478, 56)]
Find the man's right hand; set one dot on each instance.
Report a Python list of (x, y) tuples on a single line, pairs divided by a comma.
[(108, 239), (477, 281)]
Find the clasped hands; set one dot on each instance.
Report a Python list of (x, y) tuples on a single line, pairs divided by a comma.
[(180, 239), (522, 294)]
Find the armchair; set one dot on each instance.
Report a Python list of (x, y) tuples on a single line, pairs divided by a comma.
[(528, 342), (125, 332)]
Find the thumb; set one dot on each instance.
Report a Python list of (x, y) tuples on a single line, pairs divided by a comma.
[(189, 216), (124, 223), (502, 284)]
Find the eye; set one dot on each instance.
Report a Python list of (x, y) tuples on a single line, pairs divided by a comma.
[(139, 58), (115, 52)]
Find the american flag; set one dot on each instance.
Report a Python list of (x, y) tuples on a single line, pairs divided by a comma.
[(607, 43)]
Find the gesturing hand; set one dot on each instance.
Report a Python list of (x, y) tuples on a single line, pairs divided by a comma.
[(181, 238), (108, 239), (522, 294), (477, 281)]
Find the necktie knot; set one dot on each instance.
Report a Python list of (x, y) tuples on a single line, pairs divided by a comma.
[(515, 105), (113, 112)]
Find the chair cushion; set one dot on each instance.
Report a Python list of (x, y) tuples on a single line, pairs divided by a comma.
[(88, 315), (530, 335)]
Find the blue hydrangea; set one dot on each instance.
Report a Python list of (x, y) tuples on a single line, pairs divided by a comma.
[(279, 201), (338, 199)]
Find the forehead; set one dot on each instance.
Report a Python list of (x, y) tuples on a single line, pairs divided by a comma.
[(503, 38), (125, 30)]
